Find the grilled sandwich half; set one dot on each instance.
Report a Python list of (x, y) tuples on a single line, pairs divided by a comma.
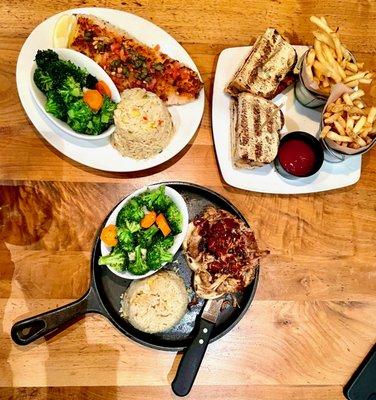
[(266, 67), (255, 127)]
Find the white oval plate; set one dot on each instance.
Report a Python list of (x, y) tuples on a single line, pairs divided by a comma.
[(80, 60), (178, 239), (100, 154)]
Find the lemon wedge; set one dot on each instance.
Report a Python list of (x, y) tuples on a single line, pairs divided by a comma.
[(64, 31)]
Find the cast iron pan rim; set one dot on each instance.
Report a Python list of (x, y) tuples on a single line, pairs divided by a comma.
[(108, 314)]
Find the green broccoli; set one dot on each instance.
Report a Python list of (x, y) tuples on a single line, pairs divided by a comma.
[(44, 58), (125, 238), (70, 90), (155, 199), (116, 259), (107, 111), (138, 267), (79, 115), (132, 211), (145, 237), (132, 226), (56, 106), (95, 126), (157, 256), (43, 80), (164, 242), (174, 218)]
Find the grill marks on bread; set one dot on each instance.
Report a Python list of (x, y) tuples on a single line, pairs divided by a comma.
[(255, 130), (268, 63)]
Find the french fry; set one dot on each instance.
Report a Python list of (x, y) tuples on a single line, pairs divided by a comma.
[(338, 138), (371, 115), (330, 59), (359, 125), (339, 128), (359, 103), (350, 123), (354, 77), (322, 25), (311, 57), (331, 119), (347, 99), (337, 45), (341, 121), (324, 131), (365, 81), (353, 84), (357, 94), (308, 69), (352, 67)]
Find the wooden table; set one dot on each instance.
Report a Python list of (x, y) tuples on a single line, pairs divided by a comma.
[(314, 315)]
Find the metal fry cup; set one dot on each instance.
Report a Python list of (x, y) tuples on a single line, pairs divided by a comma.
[(305, 95), (335, 152)]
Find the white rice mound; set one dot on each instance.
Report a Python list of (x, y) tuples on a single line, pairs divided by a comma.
[(156, 303), (143, 124)]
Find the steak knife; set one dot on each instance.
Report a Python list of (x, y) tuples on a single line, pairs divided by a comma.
[(193, 355)]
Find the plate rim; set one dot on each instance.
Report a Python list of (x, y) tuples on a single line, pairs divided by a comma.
[(38, 120), (292, 190)]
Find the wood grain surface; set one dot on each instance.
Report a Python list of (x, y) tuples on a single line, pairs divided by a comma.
[(314, 315)]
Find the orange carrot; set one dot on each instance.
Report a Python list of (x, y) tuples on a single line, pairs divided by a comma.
[(163, 225), (103, 88), (148, 219), (108, 235), (93, 99)]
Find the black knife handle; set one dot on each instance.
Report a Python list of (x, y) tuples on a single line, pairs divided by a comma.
[(191, 360)]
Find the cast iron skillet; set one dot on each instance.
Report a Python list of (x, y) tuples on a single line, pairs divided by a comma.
[(103, 295)]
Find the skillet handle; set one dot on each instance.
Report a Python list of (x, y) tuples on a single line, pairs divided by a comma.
[(30, 329), (191, 360)]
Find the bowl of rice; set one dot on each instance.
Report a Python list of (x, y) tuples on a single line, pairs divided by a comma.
[(143, 125)]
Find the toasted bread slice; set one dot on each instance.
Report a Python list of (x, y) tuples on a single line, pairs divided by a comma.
[(267, 65), (255, 127)]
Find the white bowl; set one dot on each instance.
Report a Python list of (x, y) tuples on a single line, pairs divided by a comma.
[(94, 69), (178, 239)]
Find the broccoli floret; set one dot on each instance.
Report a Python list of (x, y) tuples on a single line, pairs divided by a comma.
[(139, 266), (43, 80), (79, 115), (56, 106), (95, 126), (91, 81), (164, 242), (132, 211), (156, 256), (70, 90), (156, 199), (107, 111), (174, 218), (125, 238), (132, 226), (116, 260), (44, 58), (145, 237)]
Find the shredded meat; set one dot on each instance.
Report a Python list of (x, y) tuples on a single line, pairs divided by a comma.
[(225, 252)]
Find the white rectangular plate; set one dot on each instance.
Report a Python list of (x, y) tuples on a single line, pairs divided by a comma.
[(297, 117)]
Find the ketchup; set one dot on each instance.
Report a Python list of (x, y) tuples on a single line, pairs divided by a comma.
[(297, 157)]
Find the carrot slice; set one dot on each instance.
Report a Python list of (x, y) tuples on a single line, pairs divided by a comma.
[(108, 235), (93, 99), (148, 219), (103, 88), (163, 225)]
